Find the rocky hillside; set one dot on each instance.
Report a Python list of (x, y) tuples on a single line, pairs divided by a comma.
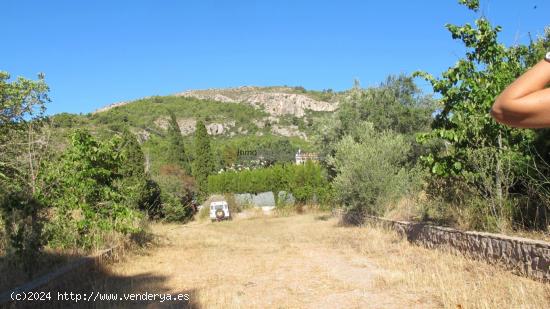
[(282, 111), (276, 101)]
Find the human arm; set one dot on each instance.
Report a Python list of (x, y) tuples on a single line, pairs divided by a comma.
[(526, 102)]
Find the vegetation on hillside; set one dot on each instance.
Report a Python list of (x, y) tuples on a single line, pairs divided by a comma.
[(144, 112)]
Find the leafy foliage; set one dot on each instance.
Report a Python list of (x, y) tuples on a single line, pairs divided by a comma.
[(242, 151), (178, 191), (82, 188), (144, 112), (23, 221), (22, 103), (139, 191), (397, 105), (468, 91), (203, 164), (370, 168), (307, 182), (466, 131)]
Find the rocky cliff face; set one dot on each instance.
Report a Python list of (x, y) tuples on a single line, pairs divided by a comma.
[(187, 126), (277, 101)]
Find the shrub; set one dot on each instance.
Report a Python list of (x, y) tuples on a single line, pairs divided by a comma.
[(370, 167), (151, 202), (82, 187), (176, 209), (178, 191), (307, 182), (23, 220), (204, 213)]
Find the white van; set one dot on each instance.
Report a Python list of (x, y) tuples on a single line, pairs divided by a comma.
[(219, 211)]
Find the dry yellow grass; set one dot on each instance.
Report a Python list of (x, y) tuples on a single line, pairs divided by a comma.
[(309, 261), (450, 281)]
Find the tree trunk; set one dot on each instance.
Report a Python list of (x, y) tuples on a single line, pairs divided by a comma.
[(498, 175)]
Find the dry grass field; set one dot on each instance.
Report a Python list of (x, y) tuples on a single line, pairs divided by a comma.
[(304, 261), (309, 261)]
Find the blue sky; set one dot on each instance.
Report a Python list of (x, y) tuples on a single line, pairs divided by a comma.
[(99, 52)]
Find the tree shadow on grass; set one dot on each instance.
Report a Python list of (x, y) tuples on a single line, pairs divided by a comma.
[(92, 283), (14, 274)]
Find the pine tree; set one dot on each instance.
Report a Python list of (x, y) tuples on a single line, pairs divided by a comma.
[(139, 191), (132, 156), (176, 151), (203, 165)]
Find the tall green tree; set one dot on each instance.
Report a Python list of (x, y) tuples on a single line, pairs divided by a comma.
[(396, 104), (468, 91), (82, 187), (176, 151), (203, 164), (132, 155), (22, 106), (476, 151), (23, 144), (139, 191)]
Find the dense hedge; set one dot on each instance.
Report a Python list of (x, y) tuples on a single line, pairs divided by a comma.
[(307, 182)]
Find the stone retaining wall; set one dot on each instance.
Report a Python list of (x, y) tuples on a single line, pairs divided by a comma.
[(523, 256)]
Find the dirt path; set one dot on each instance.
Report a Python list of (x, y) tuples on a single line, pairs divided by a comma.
[(288, 262)]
